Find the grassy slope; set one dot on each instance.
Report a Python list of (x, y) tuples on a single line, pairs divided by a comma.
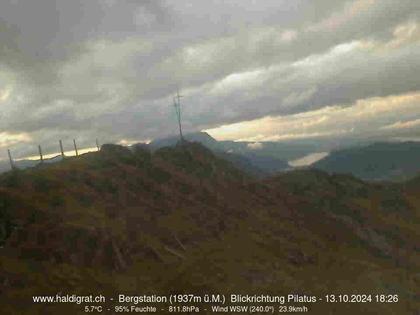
[(182, 220)]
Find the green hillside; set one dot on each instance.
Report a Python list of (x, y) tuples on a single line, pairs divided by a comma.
[(182, 220)]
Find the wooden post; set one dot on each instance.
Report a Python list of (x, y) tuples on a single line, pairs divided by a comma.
[(174, 252), (75, 147), (97, 144), (158, 255), (179, 242), (61, 148), (41, 158), (12, 165)]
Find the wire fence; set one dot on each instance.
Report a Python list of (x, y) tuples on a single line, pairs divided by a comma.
[(44, 158)]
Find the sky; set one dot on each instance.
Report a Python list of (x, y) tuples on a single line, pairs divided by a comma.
[(267, 70)]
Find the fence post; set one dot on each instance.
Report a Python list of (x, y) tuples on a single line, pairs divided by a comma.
[(41, 158), (75, 147), (61, 148), (12, 165)]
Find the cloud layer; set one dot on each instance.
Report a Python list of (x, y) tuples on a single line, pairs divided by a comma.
[(300, 69)]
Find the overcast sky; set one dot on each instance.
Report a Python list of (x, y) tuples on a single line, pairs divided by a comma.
[(277, 70)]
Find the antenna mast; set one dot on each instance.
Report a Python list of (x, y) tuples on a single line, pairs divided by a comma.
[(177, 105)]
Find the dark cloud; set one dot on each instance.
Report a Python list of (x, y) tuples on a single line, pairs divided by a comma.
[(107, 68)]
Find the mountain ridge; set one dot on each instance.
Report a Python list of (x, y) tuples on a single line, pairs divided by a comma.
[(378, 161)]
